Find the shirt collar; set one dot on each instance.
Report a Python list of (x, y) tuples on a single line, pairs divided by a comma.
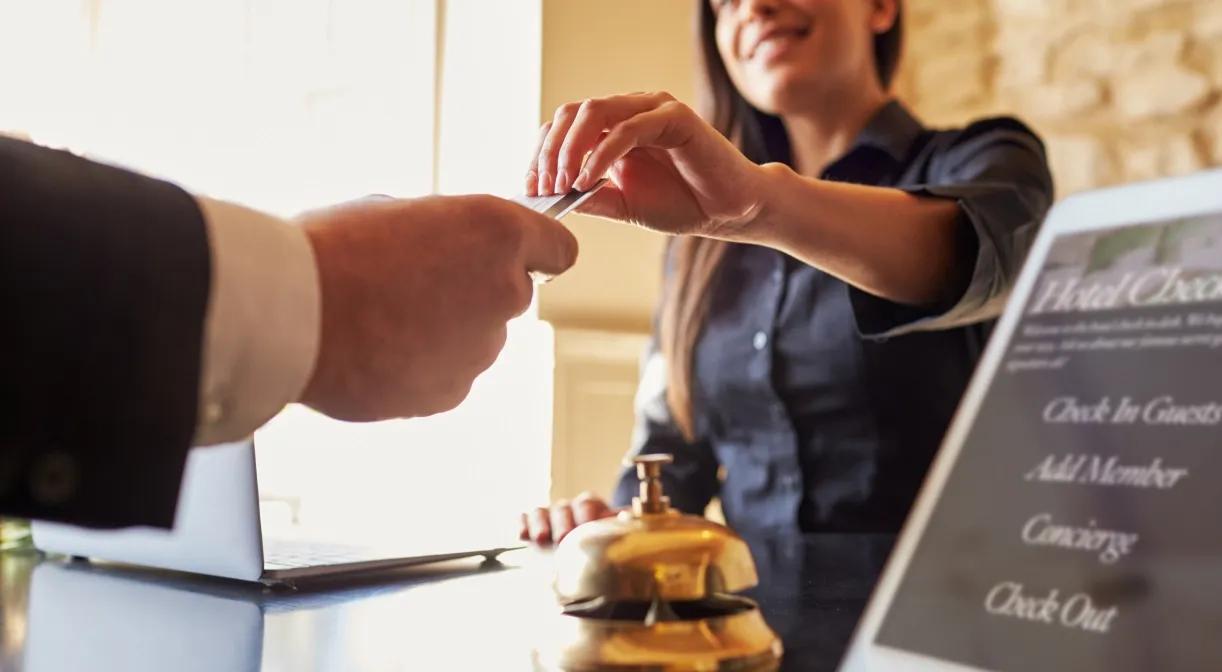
[(893, 129)]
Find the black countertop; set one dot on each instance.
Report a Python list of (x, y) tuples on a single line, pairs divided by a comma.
[(456, 616)]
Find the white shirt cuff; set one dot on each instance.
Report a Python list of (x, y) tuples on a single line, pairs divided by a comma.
[(262, 328)]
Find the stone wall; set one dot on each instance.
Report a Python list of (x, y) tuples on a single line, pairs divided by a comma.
[(1121, 90)]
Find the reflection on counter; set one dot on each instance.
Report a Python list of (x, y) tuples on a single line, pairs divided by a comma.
[(68, 617), (15, 571), (83, 620), (813, 589), (104, 618)]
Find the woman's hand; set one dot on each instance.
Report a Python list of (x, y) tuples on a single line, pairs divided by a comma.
[(545, 526), (670, 171), (674, 173)]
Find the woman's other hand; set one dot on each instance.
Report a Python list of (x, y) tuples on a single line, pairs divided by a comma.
[(546, 526), (670, 170)]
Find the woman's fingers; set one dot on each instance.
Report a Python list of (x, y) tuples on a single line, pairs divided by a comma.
[(562, 520), (532, 172), (592, 118), (664, 127), (546, 525), (587, 507), (607, 202), (540, 527), (550, 149)]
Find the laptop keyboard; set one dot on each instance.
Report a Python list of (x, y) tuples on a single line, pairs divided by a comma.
[(284, 554)]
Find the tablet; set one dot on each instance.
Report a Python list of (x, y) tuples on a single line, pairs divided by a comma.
[(1072, 519)]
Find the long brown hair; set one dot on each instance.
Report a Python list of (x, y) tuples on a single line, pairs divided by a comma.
[(760, 137)]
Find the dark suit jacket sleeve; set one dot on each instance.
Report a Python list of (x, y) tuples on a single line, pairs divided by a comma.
[(104, 279)]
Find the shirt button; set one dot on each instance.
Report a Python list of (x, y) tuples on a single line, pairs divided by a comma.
[(760, 341)]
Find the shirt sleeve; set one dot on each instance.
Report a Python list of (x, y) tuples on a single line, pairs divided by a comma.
[(262, 324), (691, 482), (997, 172)]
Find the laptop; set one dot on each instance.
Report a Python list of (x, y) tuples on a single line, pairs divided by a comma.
[(218, 532), (1069, 520)]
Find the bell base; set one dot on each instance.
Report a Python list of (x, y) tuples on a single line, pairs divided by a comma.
[(741, 642)]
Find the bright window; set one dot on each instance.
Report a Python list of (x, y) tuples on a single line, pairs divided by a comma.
[(289, 104)]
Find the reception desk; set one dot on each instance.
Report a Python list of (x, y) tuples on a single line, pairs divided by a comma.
[(61, 616)]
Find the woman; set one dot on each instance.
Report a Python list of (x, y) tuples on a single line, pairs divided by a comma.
[(835, 268)]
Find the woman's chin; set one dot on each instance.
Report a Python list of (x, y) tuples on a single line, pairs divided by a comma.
[(784, 98)]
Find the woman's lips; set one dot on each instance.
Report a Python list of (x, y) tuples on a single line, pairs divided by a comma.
[(775, 42)]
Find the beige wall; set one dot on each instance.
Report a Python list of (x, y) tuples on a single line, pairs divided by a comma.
[(595, 48), (595, 381), (1121, 90), (603, 307)]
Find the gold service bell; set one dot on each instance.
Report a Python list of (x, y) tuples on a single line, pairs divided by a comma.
[(654, 590)]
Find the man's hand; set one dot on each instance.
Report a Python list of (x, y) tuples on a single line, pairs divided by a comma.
[(416, 295)]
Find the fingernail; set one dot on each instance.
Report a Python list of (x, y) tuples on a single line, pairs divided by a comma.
[(545, 184), (580, 183), (532, 183), (562, 182)]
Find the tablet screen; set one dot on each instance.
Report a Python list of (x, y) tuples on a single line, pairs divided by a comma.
[(1081, 525)]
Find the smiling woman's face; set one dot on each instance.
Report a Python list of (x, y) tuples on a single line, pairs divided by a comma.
[(786, 56)]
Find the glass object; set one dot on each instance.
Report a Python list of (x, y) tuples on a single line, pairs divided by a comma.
[(14, 535)]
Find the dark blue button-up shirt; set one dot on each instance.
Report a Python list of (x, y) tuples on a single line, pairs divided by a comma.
[(819, 406)]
